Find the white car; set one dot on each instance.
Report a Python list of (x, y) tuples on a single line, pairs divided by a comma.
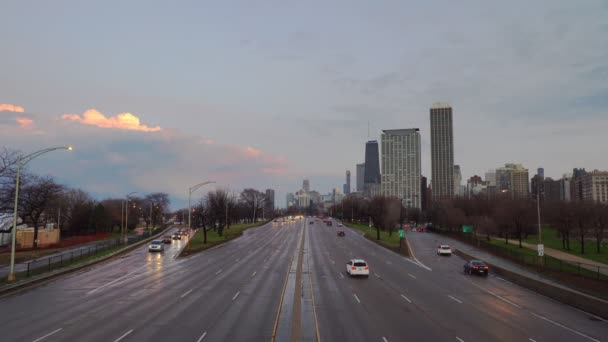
[(356, 267), (444, 250), (156, 246)]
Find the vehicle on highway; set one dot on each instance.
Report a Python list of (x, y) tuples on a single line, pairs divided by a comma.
[(357, 267), (329, 223), (341, 233), (177, 236), (156, 246), (311, 222), (476, 267), (339, 224), (167, 239), (444, 250)]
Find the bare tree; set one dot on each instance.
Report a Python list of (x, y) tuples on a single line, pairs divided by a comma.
[(515, 217), (8, 172), (34, 199), (253, 200), (583, 211), (155, 205), (561, 215), (600, 223)]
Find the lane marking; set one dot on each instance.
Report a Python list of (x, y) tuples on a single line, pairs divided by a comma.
[(411, 276), (357, 298), (459, 339), (123, 336), (185, 294), (341, 275), (114, 281), (218, 272), (455, 299), (253, 274), (384, 339), (47, 335), (138, 292), (565, 327), (495, 295), (236, 295), (202, 337), (531, 339), (404, 297), (377, 275), (417, 263)]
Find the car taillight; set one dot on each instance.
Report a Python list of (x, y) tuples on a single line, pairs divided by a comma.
[(475, 267), (485, 267), (353, 268), (367, 267)]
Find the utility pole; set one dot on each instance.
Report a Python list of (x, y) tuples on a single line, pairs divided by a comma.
[(540, 240)]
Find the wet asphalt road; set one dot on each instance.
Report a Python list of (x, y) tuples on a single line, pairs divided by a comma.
[(232, 292)]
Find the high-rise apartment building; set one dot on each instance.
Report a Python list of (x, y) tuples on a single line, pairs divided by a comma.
[(457, 181), (290, 200), (576, 185), (424, 199), (513, 179), (595, 186), (360, 176), (371, 177), (490, 177), (401, 165), (442, 151), (346, 189), (269, 201), (306, 185)]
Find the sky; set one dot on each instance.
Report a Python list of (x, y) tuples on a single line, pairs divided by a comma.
[(159, 96)]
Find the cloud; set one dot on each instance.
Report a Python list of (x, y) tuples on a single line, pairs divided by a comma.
[(24, 122), (11, 108), (126, 121)]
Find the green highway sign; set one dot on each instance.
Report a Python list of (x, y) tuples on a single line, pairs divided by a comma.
[(401, 233)]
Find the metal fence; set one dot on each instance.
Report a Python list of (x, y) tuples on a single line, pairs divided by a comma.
[(56, 261), (541, 264)]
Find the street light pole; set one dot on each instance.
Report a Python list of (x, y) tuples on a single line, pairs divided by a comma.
[(190, 191), (126, 230), (22, 161)]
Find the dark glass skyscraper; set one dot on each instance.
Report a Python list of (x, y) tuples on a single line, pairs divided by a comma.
[(442, 152), (372, 178)]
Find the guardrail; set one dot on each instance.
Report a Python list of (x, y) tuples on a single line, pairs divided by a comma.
[(541, 264)]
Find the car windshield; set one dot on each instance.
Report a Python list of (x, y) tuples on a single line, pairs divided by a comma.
[(445, 247), (360, 264), (156, 242), (478, 263)]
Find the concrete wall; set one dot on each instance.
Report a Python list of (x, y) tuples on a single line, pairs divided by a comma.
[(25, 237)]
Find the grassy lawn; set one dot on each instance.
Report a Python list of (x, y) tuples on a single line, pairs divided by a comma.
[(370, 233), (551, 239), (196, 243), (512, 248)]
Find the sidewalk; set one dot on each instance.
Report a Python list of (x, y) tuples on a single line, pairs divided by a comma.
[(585, 263)]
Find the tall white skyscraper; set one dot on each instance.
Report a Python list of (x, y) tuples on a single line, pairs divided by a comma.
[(401, 165)]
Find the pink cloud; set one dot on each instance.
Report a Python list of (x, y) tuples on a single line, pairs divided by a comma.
[(24, 122), (126, 121), (11, 108), (252, 152)]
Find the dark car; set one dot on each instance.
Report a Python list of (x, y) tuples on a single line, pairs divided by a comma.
[(311, 222), (177, 236), (476, 267), (167, 239), (341, 233)]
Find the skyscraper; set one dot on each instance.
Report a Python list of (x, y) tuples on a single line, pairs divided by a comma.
[(401, 165), (360, 176), (371, 178), (424, 200), (346, 189), (306, 185), (457, 180), (513, 179), (269, 201), (442, 151)]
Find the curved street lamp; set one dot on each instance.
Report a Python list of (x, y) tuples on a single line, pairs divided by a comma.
[(22, 161), (190, 191)]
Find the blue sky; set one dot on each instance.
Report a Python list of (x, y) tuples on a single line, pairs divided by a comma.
[(298, 82)]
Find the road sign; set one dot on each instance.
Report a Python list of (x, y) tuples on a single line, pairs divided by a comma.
[(541, 249), (401, 233)]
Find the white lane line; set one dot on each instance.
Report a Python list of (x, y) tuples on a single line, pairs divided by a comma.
[(384, 339), (47, 335), (417, 263), (495, 295), (411, 276), (185, 294), (138, 292), (202, 337), (253, 274), (236, 295), (455, 299), (265, 260), (341, 275), (459, 339), (561, 326), (123, 336), (531, 339), (377, 275), (114, 281), (404, 297), (357, 298), (218, 272)]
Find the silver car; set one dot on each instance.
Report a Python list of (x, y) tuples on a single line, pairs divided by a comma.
[(156, 246)]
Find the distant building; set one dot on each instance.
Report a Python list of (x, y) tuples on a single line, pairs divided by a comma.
[(371, 178), (315, 197), (551, 190), (346, 189), (360, 176), (457, 181), (290, 200), (513, 179), (576, 185), (303, 199), (490, 177), (424, 199), (401, 165), (595, 186), (442, 151), (565, 188), (269, 201), (306, 185), (475, 186), (541, 172)]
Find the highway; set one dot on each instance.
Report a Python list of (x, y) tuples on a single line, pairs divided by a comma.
[(232, 293)]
